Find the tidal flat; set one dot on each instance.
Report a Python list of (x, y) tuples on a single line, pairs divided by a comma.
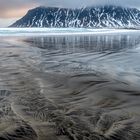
[(70, 87)]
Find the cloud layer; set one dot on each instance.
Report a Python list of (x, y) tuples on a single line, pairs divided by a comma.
[(81, 3), (17, 8)]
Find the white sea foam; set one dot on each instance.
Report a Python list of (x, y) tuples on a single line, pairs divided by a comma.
[(59, 31)]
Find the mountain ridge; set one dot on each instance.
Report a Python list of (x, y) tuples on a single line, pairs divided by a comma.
[(89, 17)]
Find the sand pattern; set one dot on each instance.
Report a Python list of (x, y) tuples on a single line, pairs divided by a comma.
[(48, 94)]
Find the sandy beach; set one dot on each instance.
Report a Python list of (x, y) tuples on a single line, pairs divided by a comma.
[(49, 92)]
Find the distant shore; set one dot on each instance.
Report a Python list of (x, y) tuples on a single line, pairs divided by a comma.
[(62, 31)]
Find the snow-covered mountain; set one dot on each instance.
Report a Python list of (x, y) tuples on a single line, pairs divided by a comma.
[(92, 17)]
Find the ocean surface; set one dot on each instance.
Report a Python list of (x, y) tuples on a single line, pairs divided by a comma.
[(69, 84)]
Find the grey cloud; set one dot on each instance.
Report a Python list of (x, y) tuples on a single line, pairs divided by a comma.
[(83, 3), (7, 5)]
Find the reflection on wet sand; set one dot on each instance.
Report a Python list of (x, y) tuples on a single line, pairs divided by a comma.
[(60, 88)]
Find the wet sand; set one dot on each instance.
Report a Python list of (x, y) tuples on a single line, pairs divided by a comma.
[(40, 104), (61, 109)]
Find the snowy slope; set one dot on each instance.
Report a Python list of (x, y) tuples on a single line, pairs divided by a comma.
[(92, 17)]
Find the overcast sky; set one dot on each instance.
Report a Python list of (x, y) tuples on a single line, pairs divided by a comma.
[(11, 10)]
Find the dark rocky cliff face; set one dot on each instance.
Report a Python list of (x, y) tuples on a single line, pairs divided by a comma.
[(91, 17)]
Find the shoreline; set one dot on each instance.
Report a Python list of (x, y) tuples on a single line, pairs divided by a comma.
[(61, 31)]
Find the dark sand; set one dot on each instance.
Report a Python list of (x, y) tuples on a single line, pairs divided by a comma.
[(40, 102)]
